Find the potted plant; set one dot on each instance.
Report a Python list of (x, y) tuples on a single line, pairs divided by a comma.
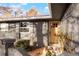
[(49, 53)]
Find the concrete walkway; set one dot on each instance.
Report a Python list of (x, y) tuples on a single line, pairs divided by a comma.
[(11, 51)]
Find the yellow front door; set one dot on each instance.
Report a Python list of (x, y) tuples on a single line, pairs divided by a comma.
[(52, 32)]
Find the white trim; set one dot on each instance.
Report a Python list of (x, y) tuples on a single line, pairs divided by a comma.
[(24, 18)]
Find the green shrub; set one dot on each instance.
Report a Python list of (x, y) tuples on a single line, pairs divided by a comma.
[(22, 44)]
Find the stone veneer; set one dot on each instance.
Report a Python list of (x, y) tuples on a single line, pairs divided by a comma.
[(70, 24)]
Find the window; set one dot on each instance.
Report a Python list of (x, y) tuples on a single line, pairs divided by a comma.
[(4, 27)]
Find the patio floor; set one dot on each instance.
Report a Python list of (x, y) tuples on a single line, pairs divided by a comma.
[(16, 52)]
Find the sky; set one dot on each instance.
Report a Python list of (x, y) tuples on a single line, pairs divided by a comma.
[(41, 7)]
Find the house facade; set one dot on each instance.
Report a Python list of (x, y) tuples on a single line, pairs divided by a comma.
[(40, 30)]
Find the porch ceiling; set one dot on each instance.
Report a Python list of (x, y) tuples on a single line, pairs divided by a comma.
[(58, 10)]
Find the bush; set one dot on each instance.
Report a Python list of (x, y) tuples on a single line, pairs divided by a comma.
[(22, 44)]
